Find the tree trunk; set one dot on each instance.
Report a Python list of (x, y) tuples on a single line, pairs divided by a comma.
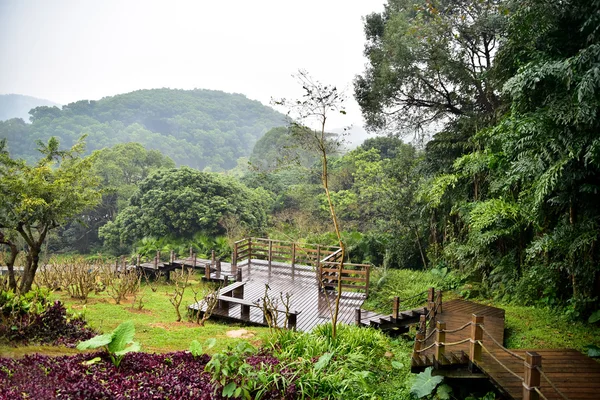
[(30, 269), (14, 251)]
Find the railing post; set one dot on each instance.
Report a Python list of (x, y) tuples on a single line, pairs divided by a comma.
[(172, 257), (396, 307), (138, 261), (430, 298), (195, 260), (218, 266), (270, 252), (238, 275), (531, 376), (318, 257), (249, 250), (234, 256), (357, 316), (156, 261), (439, 302), (293, 254), (207, 271), (368, 271), (423, 324), (212, 257), (476, 336), (440, 339)]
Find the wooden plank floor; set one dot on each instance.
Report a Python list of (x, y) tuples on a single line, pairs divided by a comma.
[(299, 281), (573, 373), (456, 313)]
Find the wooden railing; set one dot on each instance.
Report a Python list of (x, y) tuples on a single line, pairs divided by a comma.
[(326, 260)]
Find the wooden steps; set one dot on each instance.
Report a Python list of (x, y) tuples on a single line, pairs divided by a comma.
[(571, 372)]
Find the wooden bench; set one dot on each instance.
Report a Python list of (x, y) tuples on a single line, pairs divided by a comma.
[(235, 289), (225, 301)]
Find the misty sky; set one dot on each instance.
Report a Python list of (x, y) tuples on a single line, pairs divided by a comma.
[(68, 50)]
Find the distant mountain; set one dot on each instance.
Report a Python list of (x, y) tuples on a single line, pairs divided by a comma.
[(18, 106), (198, 128)]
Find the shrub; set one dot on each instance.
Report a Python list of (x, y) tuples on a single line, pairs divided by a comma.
[(31, 318)]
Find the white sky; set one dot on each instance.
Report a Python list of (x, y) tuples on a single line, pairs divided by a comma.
[(68, 50)]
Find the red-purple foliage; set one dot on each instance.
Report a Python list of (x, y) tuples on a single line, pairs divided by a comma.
[(140, 376), (51, 326)]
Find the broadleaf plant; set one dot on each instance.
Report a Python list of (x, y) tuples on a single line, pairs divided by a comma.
[(116, 343), (425, 383)]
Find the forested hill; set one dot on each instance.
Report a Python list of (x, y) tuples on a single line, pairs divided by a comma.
[(198, 128), (18, 105)]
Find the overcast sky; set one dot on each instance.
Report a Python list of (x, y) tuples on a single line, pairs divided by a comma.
[(68, 50)]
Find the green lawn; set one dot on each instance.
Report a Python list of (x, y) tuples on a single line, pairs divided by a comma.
[(156, 327)]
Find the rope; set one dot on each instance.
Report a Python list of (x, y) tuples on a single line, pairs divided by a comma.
[(499, 362), (540, 393), (427, 337), (499, 345), (550, 383), (456, 343), (426, 348), (457, 329)]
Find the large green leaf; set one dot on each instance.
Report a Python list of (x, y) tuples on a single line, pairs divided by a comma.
[(196, 348), (135, 346), (425, 383), (595, 317), (444, 392), (95, 342), (122, 335), (593, 351)]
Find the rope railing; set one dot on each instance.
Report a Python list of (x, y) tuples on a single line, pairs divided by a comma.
[(435, 330), (543, 375), (519, 377), (427, 337), (457, 329), (500, 345), (540, 393), (445, 344)]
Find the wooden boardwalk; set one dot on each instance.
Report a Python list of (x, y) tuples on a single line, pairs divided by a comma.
[(300, 281), (470, 336)]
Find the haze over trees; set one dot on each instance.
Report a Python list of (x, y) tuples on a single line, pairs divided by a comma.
[(18, 106), (198, 128)]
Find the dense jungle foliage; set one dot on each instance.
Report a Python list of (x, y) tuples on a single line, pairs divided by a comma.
[(504, 193)]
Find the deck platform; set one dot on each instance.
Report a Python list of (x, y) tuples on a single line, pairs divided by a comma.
[(300, 281)]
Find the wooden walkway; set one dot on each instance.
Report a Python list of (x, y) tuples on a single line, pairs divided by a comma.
[(307, 301), (470, 336)]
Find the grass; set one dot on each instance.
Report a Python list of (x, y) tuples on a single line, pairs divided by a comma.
[(156, 327)]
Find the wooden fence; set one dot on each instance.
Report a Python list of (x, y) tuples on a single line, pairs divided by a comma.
[(325, 259)]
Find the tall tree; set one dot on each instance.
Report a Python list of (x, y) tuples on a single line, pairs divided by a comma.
[(183, 202), (315, 107), (42, 197), (120, 169), (429, 60)]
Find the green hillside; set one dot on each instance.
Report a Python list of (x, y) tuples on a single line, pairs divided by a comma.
[(198, 128)]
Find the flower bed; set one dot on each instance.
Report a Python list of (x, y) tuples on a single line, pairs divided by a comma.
[(140, 376)]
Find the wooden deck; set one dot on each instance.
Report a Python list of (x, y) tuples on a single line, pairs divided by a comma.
[(463, 334), (574, 374), (300, 281)]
